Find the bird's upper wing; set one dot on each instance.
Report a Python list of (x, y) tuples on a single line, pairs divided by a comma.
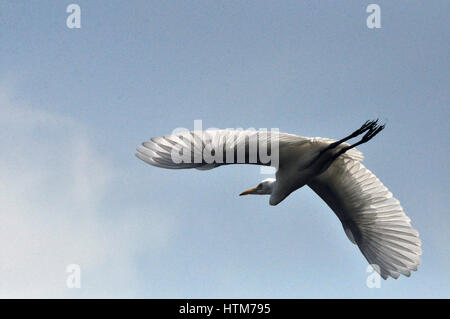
[(212, 148), (372, 218)]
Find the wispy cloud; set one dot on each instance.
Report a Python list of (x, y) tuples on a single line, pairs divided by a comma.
[(54, 189)]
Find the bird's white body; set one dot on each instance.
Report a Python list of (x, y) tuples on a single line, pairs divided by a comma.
[(371, 217)]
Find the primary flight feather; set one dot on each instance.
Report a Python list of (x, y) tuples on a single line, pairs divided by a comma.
[(371, 217)]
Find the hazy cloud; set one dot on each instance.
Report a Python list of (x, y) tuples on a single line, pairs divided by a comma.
[(53, 189)]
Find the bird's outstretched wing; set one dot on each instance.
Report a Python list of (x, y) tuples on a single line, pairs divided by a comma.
[(211, 148), (372, 218)]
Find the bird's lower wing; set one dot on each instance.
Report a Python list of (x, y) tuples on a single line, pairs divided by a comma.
[(372, 218), (212, 148)]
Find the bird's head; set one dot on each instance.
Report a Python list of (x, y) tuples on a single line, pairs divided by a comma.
[(263, 188)]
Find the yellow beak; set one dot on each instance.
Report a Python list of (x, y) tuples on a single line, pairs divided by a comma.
[(249, 191)]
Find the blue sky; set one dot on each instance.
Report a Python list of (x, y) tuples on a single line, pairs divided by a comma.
[(75, 103)]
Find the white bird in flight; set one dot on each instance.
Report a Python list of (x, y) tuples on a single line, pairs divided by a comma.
[(371, 217)]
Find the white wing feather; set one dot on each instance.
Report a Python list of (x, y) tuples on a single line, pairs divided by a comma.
[(372, 218), (159, 150)]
